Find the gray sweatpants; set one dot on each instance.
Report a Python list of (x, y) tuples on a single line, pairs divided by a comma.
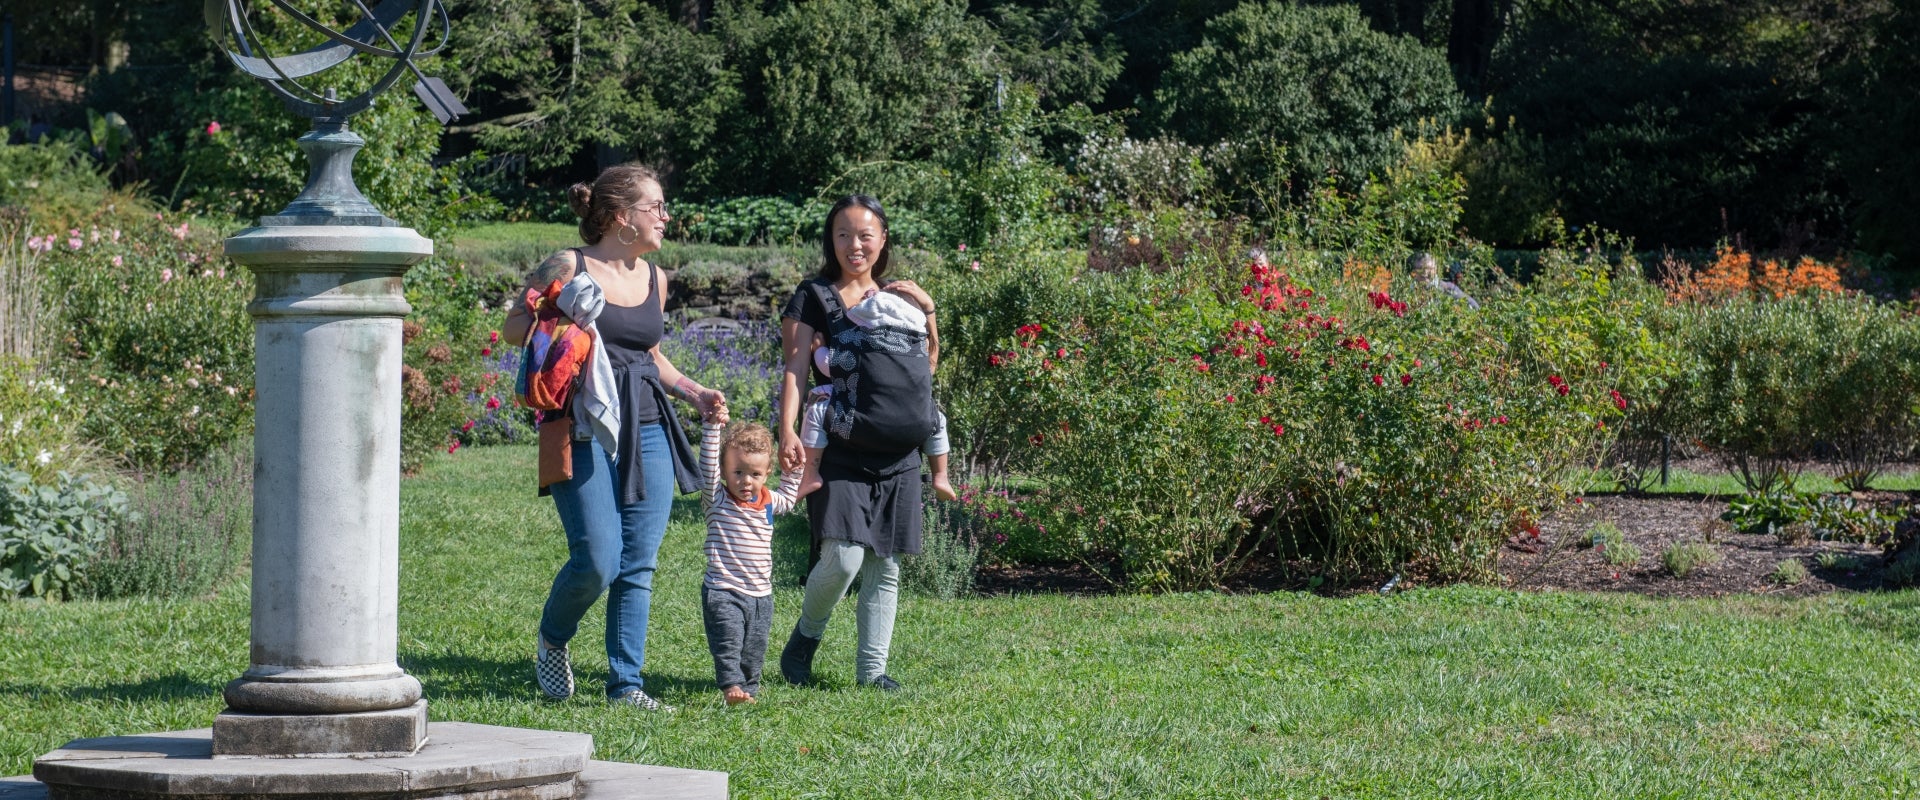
[(840, 560), (737, 626)]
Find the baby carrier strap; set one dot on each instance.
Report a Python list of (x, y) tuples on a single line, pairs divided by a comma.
[(830, 300)]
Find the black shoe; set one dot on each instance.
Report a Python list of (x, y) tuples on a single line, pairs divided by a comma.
[(884, 683), (796, 659)]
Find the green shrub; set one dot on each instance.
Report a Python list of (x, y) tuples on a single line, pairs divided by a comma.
[(830, 85), (993, 182), (1843, 562), (1683, 558), (1869, 376), (439, 376), (153, 325), (1903, 569), (189, 530), (1607, 539), (1510, 198), (945, 566), (1001, 529), (1176, 419), (1623, 554), (1413, 202), (1758, 374), (1603, 534), (1789, 573), (1796, 516), (50, 535), (39, 421), (1140, 174), (53, 183), (457, 374), (1259, 78), (741, 221)]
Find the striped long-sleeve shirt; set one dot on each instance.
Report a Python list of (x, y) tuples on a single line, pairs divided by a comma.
[(739, 539)]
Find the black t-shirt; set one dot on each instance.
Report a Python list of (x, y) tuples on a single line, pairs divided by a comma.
[(805, 306)]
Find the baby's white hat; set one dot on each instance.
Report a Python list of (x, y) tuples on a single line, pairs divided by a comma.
[(889, 310)]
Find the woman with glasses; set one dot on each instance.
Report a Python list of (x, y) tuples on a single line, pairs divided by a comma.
[(627, 455)]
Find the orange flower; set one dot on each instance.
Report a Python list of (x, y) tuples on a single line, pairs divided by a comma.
[(1734, 273)]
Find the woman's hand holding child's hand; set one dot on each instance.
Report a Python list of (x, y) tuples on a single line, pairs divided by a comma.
[(718, 413)]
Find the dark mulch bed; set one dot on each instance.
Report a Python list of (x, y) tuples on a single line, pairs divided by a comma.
[(1558, 561), (1656, 523)]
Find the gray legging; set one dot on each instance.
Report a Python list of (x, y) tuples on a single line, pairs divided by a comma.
[(839, 561)]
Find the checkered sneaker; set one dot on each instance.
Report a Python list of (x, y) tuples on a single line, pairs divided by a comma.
[(553, 670), (641, 700)]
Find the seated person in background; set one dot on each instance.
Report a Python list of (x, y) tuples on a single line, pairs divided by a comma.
[(1426, 272)]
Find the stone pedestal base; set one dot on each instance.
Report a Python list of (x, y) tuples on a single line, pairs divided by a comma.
[(465, 761), (601, 780), (399, 732)]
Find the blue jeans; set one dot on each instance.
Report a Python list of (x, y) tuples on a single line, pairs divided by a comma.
[(611, 549)]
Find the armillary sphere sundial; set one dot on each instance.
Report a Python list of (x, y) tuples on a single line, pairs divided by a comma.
[(330, 198)]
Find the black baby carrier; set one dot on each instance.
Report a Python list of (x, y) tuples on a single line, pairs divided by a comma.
[(882, 386)]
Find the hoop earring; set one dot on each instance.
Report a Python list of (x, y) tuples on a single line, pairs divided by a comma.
[(622, 237)]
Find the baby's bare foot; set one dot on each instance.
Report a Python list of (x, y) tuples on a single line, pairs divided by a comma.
[(809, 480), (736, 695)]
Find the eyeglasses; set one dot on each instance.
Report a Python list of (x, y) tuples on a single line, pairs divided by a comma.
[(657, 209)]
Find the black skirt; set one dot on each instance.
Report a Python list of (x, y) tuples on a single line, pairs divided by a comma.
[(878, 509)]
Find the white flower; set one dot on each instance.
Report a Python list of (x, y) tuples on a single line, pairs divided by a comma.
[(44, 458), (15, 430), (193, 412)]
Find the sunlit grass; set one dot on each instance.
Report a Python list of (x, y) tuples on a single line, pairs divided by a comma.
[(1457, 692)]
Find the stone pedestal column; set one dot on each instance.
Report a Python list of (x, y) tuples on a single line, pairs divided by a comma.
[(326, 518)]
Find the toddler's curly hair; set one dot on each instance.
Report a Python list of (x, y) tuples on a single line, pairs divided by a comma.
[(750, 438)]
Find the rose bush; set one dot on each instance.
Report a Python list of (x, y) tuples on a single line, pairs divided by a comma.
[(1177, 421), (151, 324)]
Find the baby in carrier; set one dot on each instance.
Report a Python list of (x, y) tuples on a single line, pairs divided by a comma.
[(877, 309)]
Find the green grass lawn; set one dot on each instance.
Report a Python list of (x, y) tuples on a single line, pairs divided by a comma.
[(513, 248), (1681, 481), (1458, 692)]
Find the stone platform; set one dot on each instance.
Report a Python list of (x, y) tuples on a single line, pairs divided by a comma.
[(460, 760)]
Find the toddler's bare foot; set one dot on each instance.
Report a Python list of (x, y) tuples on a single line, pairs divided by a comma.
[(944, 488), (736, 695)]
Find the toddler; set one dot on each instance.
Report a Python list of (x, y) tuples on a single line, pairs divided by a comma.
[(877, 308), (736, 598)]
